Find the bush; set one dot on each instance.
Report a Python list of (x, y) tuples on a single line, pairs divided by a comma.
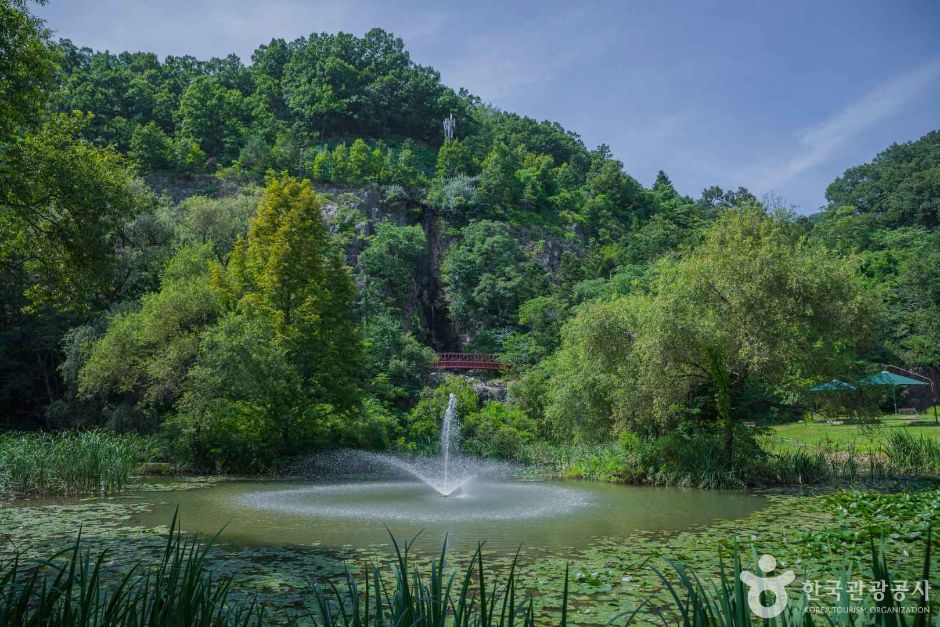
[(424, 420), (498, 430)]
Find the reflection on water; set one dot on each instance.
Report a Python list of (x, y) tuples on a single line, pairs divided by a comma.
[(554, 516)]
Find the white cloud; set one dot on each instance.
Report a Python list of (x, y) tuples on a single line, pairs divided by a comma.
[(820, 142)]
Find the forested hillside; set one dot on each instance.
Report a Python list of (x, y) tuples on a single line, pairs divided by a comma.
[(259, 259)]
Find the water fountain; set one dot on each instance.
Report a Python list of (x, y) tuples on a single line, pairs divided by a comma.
[(367, 485), (447, 473), (354, 497)]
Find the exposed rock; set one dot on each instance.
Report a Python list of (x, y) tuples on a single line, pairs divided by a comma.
[(491, 391)]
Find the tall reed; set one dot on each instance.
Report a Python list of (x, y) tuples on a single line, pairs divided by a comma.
[(71, 589), (911, 454), (66, 463)]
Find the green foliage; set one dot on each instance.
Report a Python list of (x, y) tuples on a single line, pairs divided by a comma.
[(393, 264), (398, 366), (63, 204), (424, 420), (454, 158), (591, 369), (290, 273), (66, 464), (497, 430), (752, 302), (485, 276), (144, 354), (27, 68), (215, 221), (211, 115), (152, 148), (899, 187)]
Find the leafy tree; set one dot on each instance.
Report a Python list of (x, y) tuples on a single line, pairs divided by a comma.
[(62, 205), (588, 372), (211, 115), (290, 273), (900, 185), (397, 364), (144, 354), (244, 400), (454, 158), (499, 187), (151, 147), (216, 221), (753, 302), (393, 264), (485, 276), (499, 430), (28, 67)]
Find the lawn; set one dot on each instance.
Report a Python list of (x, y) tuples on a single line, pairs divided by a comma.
[(794, 435)]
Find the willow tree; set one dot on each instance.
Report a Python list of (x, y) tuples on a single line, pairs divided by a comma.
[(753, 303)]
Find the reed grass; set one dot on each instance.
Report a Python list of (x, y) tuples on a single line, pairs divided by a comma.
[(70, 589), (911, 454), (66, 463)]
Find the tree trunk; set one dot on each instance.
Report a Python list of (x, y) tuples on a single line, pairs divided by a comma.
[(724, 400)]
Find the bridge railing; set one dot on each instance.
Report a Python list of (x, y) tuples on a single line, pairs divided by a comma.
[(482, 361)]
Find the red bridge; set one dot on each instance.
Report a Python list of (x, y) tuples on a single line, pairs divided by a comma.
[(467, 361)]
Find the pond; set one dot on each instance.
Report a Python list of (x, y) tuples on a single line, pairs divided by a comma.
[(556, 516)]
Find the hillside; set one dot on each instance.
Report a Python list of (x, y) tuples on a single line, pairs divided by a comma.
[(169, 268)]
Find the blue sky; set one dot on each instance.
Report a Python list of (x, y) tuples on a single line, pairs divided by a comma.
[(779, 97)]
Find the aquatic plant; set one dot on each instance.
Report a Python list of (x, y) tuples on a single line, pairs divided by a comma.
[(67, 463), (910, 454), (72, 589)]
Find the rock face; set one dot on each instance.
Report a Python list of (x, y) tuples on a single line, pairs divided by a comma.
[(491, 391), (353, 213)]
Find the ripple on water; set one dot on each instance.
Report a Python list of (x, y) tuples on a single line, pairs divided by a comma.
[(408, 501)]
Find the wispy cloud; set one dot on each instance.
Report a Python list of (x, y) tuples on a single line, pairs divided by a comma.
[(819, 143), (501, 64)]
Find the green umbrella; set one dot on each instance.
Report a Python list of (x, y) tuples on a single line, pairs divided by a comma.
[(832, 386), (894, 380), (889, 378)]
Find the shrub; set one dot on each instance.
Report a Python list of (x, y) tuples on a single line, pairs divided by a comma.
[(498, 430)]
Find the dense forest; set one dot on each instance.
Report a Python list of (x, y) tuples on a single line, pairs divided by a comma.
[(259, 260)]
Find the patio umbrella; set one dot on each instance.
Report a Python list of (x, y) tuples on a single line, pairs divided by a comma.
[(893, 379), (832, 386)]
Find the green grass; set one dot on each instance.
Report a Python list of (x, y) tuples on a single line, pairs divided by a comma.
[(800, 435), (71, 463)]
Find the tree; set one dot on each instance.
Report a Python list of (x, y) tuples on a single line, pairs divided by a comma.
[(62, 205), (500, 189), (290, 272), (393, 263), (753, 303), (485, 276), (151, 147), (454, 158), (27, 68), (398, 365), (144, 355), (216, 221), (589, 371), (212, 115)]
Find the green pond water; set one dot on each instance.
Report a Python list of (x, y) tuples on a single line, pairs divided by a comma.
[(556, 517)]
